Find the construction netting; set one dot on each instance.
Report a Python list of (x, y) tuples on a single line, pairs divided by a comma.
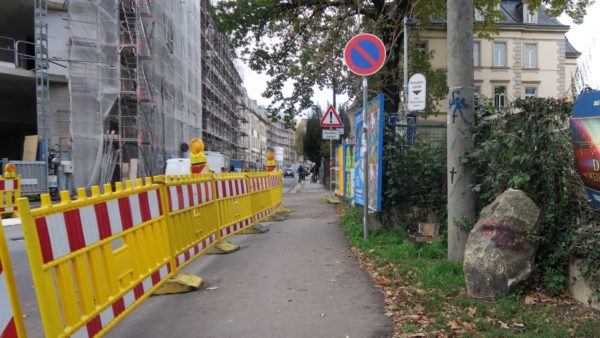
[(93, 74), (135, 85)]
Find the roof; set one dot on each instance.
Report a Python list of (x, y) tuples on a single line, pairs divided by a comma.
[(570, 51), (513, 12)]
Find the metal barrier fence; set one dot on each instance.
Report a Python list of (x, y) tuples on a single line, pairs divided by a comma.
[(11, 319), (10, 192), (95, 258)]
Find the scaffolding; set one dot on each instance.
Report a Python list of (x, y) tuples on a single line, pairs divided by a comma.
[(135, 85), (42, 81), (223, 112)]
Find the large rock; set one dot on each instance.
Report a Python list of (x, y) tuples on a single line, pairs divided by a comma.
[(498, 255)]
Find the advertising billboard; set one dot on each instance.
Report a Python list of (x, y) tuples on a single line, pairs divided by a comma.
[(585, 131), (374, 125)]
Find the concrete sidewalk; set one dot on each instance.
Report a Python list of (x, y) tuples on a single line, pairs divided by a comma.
[(298, 280)]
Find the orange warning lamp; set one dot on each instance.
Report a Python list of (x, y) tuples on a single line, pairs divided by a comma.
[(197, 158), (271, 161), (9, 171)]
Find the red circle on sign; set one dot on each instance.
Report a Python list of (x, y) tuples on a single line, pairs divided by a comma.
[(353, 45)]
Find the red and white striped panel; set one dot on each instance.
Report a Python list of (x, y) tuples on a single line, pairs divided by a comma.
[(8, 184), (195, 249), (235, 227), (260, 183), (117, 308), (8, 328), (7, 209), (274, 181), (71, 230), (230, 188), (189, 195), (262, 215)]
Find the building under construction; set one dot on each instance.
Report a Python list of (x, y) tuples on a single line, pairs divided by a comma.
[(114, 88)]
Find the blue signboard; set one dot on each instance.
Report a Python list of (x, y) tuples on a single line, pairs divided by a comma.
[(374, 124), (585, 130)]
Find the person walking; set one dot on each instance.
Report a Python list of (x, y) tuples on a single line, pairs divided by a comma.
[(300, 173)]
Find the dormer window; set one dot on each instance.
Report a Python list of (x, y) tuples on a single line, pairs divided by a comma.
[(529, 17)]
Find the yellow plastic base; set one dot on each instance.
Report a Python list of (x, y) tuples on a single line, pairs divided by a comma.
[(255, 230), (181, 283), (223, 248)]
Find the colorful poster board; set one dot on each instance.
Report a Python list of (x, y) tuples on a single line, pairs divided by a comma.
[(585, 131), (374, 125), (340, 165), (349, 172)]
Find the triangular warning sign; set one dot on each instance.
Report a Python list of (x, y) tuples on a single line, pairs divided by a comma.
[(331, 118)]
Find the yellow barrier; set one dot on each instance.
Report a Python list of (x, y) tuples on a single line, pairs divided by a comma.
[(11, 318), (193, 219), (10, 191), (94, 259), (234, 203), (262, 204), (276, 191)]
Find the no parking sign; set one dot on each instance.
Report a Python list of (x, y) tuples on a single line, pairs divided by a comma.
[(364, 54)]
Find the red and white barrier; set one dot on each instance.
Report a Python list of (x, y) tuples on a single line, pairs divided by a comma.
[(62, 233), (9, 184), (235, 227), (8, 329), (231, 188), (123, 303), (194, 250), (259, 183), (189, 195)]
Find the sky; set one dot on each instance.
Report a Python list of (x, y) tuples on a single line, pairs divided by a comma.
[(584, 37)]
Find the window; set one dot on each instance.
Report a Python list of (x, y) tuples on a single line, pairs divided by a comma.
[(530, 55), (500, 96), (476, 54), (421, 47), (499, 54), (478, 15), (530, 92), (476, 95), (530, 18)]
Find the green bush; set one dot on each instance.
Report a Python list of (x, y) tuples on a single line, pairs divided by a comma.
[(528, 146)]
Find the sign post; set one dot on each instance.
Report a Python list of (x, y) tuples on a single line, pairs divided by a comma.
[(331, 119), (364, 55)]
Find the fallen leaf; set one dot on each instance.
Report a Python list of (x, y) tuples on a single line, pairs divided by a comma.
[(472, 310), (529, 300), (454, 325), (503, 325), (212, 288), (518, 324)]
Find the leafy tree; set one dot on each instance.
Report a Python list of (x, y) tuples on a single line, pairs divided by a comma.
[(303, 41), (312, 138)]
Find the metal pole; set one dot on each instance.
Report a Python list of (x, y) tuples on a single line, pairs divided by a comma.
[(405, 77), (331, 166), (365, 161), (461, 198)]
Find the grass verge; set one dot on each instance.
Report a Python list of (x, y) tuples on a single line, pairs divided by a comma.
[(426, 297)]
